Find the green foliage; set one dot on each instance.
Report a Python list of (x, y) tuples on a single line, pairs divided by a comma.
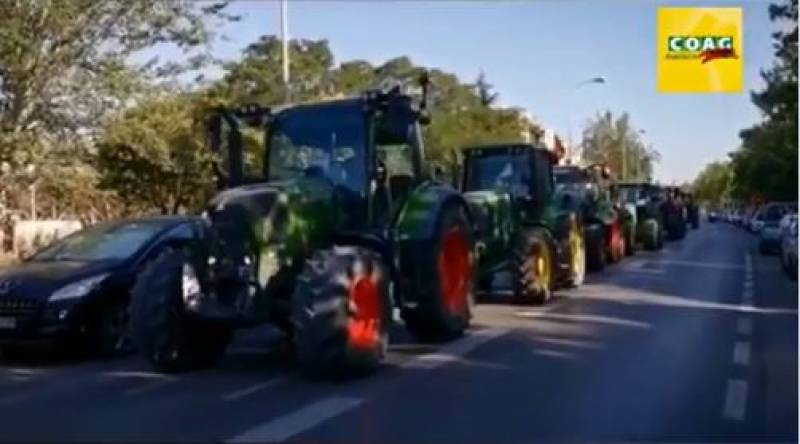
[(713, 184), (65, 70), (615, 143), (765, 166), (154, 156)]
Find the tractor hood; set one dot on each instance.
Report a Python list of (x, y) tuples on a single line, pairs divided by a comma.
[(286, 218)]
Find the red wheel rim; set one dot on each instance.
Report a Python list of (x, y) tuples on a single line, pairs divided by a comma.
[(364, 325), (454, 270)]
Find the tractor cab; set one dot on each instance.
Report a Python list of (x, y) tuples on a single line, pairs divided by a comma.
[(522, 172)]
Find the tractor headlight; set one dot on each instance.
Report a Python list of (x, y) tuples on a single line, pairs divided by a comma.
[(78, 289)]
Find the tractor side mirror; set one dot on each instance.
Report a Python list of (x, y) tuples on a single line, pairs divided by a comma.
[(380, 172), (424, 119), (566, 201)]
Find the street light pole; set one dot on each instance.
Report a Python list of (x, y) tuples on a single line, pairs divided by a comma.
[(593, 80), (285, 44)]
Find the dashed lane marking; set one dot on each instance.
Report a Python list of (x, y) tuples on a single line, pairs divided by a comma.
[(735, 400), (452, 352), (741, 353), (298, 421), (238, 394)]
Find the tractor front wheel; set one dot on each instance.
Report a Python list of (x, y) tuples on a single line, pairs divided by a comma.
[(577, 256), (342, 312), (161, 330), (532, 268)]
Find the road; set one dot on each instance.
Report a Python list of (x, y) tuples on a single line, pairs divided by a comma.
[(696, 342)]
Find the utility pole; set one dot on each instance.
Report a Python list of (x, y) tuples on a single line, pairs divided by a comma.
[(593, 80), (285, 43)]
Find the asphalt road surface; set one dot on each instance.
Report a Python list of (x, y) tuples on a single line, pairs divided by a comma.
[(697, 342)]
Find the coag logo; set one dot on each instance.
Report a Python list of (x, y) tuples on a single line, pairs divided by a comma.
[(689, 40), (705, 48)]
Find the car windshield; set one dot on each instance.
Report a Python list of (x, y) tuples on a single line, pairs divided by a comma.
[(113, 241), (323, 140), (505, 172)]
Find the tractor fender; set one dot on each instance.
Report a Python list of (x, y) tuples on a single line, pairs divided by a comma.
[(414, 231), (419, 216)]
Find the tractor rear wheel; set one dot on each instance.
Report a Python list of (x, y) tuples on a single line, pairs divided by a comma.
[(161, 330), (342, 312), (447, 292), (532, 268)]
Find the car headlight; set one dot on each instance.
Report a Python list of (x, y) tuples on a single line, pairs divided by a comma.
[(78, 289)]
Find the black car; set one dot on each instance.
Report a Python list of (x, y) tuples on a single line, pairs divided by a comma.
[(76, 291)]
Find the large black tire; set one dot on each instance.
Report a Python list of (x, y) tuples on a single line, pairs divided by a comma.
[(532, 267), (446, 289), (652, 235), (595, 252), (161, 330), (630, 240), (616, 251), (342, 312), (577, 256)]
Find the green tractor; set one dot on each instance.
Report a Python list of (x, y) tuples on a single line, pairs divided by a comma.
[(335, 225), (642, 202), (589, 191), (521, 224)]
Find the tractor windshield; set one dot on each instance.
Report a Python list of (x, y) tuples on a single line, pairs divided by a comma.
[(507, 172), (629, 194), (326, 140)]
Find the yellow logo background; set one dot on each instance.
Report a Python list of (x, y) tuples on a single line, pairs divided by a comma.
[(691, 75)]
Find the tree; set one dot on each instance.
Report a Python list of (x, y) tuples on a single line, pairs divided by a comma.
[(154, 156), (484, 90), (258, 76), (65, 70), (615, 143), (713, 184), (765, 166)]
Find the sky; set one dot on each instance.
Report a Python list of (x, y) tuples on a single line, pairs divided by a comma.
[(534, 53)]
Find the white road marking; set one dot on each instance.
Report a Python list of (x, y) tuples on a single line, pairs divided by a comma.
[(298, 421), (748, 283), (238, 394), (138, 374), (744, 326), (453, 351), (584, 318), (741, 353), (735, 400)]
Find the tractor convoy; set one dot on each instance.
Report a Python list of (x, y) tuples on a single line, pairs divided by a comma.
[(337, 220)]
